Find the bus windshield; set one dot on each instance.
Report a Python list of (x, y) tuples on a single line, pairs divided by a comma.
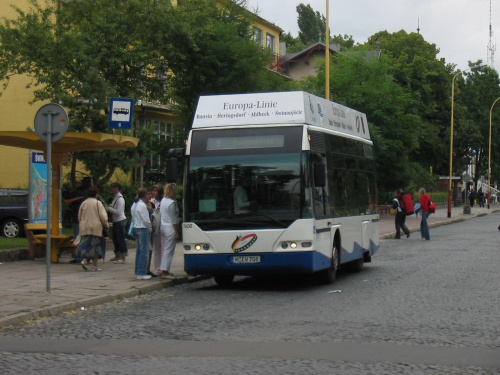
[(236, 179)]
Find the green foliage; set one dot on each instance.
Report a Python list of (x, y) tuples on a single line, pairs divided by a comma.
[(93, 50), (292, 44), (478, 92), (209, 50), (312, 24), (345, 41), (13, 243), (438, 197)]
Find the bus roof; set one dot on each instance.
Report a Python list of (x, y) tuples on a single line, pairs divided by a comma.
[(279, 108)]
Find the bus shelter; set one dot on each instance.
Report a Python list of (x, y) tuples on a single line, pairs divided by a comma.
[(71, 142)]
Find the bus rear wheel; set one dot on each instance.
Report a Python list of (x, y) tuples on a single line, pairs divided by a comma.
[(224, 280), (328, 275)]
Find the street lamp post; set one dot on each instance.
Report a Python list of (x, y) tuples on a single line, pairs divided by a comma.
[(451, 133), (327, 52), (489, 156)]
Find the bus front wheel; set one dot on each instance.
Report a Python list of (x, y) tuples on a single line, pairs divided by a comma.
[(328, 275), (224, 280)]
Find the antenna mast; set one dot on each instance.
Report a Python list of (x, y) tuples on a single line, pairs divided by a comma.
[(491, 46)]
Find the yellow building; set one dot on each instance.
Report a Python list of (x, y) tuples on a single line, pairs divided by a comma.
[(18, 114), (15, 114)]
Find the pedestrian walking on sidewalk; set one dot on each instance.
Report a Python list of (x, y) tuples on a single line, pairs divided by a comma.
[(472, 197), (169, 229), (142, 230), (92, 218), (425, 202), (480, 197), (119, 220), (400, 219)]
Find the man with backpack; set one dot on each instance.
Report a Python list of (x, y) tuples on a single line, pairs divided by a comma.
[(399, 205)]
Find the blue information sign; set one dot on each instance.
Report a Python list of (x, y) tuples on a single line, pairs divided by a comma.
[(121, 113)]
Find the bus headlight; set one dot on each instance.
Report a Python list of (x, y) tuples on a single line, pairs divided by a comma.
[(200, 246), (296, 245)]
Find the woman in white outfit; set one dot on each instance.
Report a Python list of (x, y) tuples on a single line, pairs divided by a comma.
[(169, 229), (156, 236)]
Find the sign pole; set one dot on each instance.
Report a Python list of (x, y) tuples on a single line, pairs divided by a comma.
[(49, 133), (49, 196)]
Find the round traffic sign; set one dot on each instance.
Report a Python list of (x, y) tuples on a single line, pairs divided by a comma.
[(54, 117)]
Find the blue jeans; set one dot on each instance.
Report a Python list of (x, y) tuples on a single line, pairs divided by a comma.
[(119, 238), (424, 226), (141, 256)]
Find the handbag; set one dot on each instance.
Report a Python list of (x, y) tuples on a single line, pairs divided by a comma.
[(104, 229), (131, 228), (432, 207)]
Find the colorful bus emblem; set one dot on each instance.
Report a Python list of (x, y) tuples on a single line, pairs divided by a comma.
[(243, 242)]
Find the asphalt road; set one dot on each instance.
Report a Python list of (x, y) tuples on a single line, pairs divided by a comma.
[(421, 307)]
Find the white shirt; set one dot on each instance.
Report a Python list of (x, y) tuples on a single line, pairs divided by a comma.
[(141, 215), (117, 208), (169, 213)]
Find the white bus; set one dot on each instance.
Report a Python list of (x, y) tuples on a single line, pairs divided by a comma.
[(278, 183)]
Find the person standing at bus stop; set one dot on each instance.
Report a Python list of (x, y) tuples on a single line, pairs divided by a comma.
[(142, 229), (117, 210), (400, 219), (425, 202), (169, 229)]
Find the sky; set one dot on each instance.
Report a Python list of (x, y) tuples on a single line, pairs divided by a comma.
[(460, 29)]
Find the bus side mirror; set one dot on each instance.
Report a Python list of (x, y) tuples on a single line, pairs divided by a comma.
[(174, 154), (171, 171), (319, 175)]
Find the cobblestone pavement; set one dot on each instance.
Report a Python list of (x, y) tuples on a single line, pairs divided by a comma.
[(422, 307)]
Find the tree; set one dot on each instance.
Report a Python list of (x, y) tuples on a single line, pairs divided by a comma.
[(312, 24), (414, 65), (90, 51), (80, 56), (345, 41), (394, 124), (477, 92), (209, 50)]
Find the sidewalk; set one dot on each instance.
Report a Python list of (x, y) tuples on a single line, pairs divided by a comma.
[(23, 293)]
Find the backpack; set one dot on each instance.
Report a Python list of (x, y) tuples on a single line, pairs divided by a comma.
[(406, 203)]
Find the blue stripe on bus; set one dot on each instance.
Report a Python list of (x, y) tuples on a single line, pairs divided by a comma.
[(270, 263)]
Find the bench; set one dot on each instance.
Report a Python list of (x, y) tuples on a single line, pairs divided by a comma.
[(36, 234)]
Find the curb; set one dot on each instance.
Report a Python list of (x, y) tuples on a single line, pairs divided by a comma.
[(55, 310)]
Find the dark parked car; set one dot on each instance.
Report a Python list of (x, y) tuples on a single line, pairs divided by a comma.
[(13, 212)]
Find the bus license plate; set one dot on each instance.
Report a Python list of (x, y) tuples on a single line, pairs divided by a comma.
[(246, 259)]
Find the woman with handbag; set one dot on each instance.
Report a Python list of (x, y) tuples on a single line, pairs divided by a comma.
[(93, 221)]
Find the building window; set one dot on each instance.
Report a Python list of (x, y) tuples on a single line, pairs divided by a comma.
[(257, 36), (270, 42)]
